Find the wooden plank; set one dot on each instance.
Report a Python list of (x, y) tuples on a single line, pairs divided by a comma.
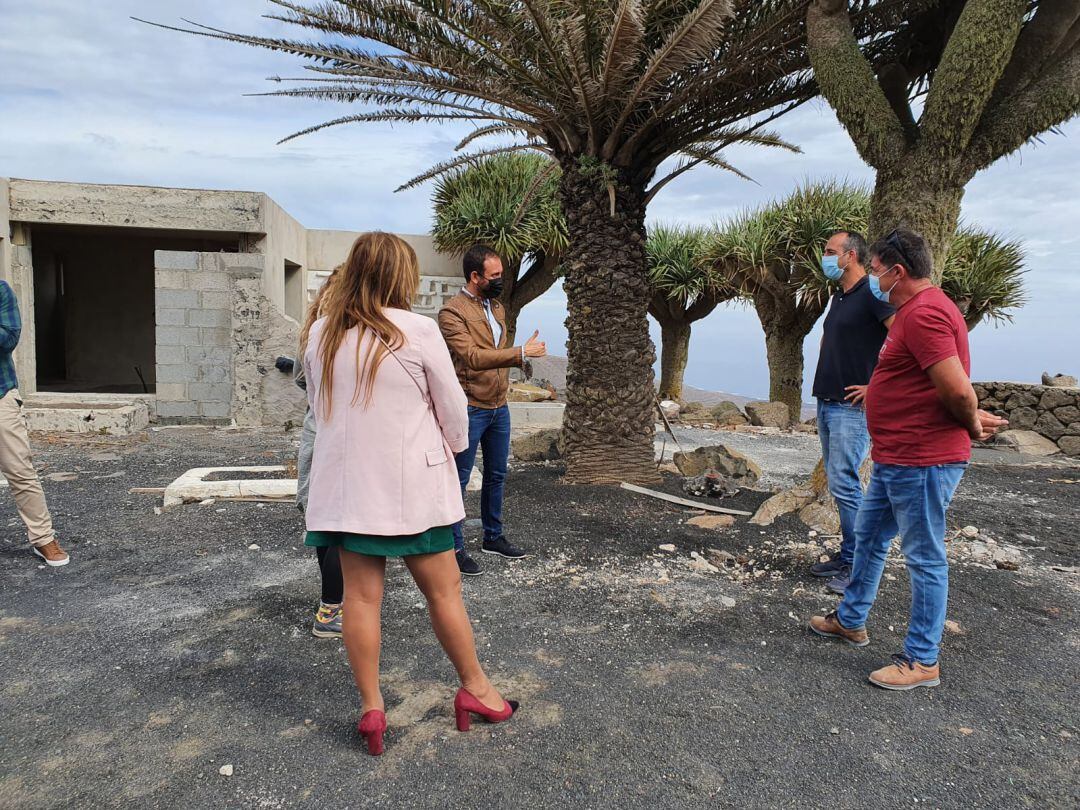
[(663, 496)]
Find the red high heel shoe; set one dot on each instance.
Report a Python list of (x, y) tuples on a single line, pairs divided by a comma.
[(372, 726), (465, 704)]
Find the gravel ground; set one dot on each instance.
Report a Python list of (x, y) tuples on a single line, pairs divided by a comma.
[(169, 648)]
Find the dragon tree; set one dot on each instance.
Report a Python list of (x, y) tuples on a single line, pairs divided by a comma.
[(990, 76)]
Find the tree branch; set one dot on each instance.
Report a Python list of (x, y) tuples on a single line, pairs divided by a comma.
[(847, 82), (537, 279), (1049, 101), (1038, 43), (973, 60)]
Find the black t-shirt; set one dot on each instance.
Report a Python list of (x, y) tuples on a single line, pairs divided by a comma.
[(853, 336)]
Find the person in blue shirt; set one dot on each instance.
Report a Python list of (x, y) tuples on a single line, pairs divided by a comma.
[(15, 462), (855, 329)]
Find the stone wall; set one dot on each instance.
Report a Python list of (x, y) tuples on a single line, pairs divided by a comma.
[(193, 307), (1052, 412), (218, 335)]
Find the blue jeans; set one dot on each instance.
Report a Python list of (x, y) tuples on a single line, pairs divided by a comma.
[(911, 502), (844, 445), (489, 430)]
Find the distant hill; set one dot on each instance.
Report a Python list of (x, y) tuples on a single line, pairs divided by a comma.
[(553, 369)]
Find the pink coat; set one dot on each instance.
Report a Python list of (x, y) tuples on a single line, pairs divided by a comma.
[(387, 469)]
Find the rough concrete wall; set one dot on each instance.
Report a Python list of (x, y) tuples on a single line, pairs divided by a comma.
[(136, 206), (327, 249), (5, 232), (21, 279), (285, 239), (1051, 412), (262, 395), (193, 299)]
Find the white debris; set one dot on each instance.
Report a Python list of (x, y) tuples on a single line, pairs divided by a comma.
[(254, 547), (667, 547), (226, 770)]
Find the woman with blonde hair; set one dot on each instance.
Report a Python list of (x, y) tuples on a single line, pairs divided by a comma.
[(390, 415)]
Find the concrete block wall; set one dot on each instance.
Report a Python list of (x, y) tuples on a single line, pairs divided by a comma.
[(193, 302), (1053, 413)]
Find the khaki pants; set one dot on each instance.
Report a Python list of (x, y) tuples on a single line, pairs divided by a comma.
[(18, 469)]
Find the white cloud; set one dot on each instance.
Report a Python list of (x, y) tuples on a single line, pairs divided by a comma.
[(93, 96)]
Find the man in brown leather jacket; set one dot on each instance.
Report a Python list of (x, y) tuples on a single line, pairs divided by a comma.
[(473, 323)]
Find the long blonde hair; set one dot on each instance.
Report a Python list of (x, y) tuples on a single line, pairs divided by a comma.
[(381, 272)]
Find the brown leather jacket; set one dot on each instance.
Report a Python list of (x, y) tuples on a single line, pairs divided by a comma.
[(482, 367)]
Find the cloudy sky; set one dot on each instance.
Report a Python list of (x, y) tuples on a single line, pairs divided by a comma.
[(89, 95)]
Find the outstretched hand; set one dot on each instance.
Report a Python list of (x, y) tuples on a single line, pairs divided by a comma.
[(988, 425), (534, 347)]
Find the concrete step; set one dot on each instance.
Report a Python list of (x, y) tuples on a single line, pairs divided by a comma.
[(71, 413)]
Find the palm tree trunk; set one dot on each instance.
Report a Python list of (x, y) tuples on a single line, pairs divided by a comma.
[(784, 348), (908, 195), (608, 426), (674, 352)]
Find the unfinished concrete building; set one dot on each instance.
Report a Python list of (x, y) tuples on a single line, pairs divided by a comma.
[(166, 304)]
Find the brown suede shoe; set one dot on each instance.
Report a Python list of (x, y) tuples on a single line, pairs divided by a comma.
[(830, 626), (52, 554), (903, 674)]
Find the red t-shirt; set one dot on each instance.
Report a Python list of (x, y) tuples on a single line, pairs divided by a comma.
[(908, 423)]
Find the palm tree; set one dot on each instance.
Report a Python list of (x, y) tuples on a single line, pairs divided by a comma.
[(610, 90), (687, 287), (483, 202), (984, 276), (990, 76), (774, 255)]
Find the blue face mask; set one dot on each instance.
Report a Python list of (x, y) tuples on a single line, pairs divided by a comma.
[(830, 266), (875, 286)]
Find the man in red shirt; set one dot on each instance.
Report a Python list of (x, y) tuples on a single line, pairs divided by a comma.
[(922, 414)]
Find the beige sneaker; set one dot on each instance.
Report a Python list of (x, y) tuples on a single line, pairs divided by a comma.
[(829, 626), (52, 554), (903, 674)]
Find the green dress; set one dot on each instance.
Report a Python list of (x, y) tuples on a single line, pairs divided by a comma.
[(434, 540)]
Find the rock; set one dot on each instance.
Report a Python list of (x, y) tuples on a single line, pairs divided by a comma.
[(802, 427), (710, 485), (208, 502), (701, 565), (670, 408), (821, 516), (254, 547), (1058, 380), (692, 408), (727, 601), (953, 628), (721, 558), (669, 467), (1027, 442), (1067, 414), (769, 414), (834, 730), (1070, 445), (1055, 398), (727, 413), (1048, 425), (62, 476), (712, 521), (544, 445), (1007, 565), (527, 392), (729, 463), (970, 531), (1022, 418), (226, 770), (782, 503), (669, 547)]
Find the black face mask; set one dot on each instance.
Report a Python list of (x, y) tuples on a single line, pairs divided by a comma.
[(493, 288)]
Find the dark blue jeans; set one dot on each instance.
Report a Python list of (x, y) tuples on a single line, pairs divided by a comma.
[(844, 445), (489, 430), (911, 502)]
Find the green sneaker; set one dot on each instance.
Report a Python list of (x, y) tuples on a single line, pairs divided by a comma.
[(327, 622)]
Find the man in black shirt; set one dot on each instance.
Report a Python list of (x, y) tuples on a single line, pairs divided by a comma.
[(855, 328)]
